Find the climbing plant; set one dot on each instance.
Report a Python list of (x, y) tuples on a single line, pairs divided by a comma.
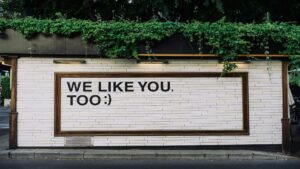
[(122, 38), (5, 83)]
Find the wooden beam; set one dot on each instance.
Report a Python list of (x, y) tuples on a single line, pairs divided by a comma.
[(285, 109), (13, 105), (212, 55)]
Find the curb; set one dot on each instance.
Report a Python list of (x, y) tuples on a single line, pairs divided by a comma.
[(84, 154)]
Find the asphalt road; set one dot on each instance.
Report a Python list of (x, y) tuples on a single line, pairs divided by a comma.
[(147, 164)]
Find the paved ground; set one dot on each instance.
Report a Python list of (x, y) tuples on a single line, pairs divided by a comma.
[(148, 164), (4, 112)]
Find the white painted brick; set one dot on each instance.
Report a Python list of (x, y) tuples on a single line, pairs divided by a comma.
[(36, 104)]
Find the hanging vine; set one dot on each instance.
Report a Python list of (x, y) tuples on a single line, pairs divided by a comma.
[(122, 38)]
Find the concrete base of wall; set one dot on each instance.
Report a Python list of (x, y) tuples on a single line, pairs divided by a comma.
[(82, 154)]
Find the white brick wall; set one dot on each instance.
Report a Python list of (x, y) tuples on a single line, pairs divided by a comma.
[(35, 103)]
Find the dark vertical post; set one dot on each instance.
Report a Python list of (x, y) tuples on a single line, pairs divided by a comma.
[(13, 105), (285, 112)]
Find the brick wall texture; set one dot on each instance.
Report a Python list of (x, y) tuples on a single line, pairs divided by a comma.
[(194, 104)]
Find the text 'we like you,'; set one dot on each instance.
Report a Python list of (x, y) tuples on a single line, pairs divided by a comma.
[(110, 87)]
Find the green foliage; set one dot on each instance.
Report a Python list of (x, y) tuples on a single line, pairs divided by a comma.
[(3, 24), (294, 66), (5, 83), (122, 38)]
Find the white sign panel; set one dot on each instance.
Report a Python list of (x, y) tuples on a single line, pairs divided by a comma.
[(144, 103)]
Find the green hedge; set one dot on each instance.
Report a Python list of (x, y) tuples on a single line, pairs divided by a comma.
[(122, 38), (5, 83)]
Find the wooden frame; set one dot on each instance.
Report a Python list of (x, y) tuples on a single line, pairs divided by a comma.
[(285, 109), (280, 56), (57, 105), (13, 116)]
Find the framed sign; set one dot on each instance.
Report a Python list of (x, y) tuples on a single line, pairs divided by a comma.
[(151, 104)]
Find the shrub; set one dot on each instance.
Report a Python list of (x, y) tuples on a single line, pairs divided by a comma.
[(5, 83)]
